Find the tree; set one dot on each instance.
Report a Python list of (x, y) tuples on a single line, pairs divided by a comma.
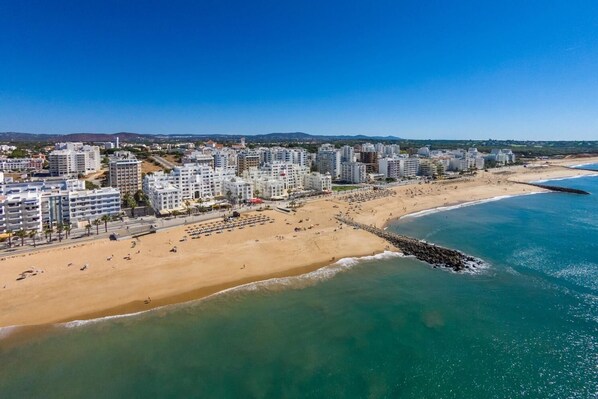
[(90, 185), (48, 230), (131, 203), (9, 232), (88, 228), (256, 193), (188, 207), (21, 234), (33, 235), (105, 219), (60, 230), (140, 197), (97, 223), (67, 230)]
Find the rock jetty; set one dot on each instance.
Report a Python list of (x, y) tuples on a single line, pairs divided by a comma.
[(433, 254), (556, 188)]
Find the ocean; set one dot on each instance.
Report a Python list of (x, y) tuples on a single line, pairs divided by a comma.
[(377, 327)]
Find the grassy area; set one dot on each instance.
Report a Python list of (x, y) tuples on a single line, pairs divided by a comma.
[(344, 188)]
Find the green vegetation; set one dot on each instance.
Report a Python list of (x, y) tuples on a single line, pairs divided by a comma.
[(90, 185), (18, 153)]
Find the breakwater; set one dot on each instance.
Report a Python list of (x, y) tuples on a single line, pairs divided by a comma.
[(430, 253), (555, 188)]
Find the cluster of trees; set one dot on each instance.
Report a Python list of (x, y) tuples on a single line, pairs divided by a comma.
[(62, 230)]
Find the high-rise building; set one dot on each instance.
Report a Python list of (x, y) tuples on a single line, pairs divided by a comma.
[(246, 160), (328, 160), (73, 159), (125, 173), (353, 172)]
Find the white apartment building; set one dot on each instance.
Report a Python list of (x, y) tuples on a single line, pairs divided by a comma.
[(198, 157), (269, 188), (317, 182), (297, 156), (237, 189), (20, 211), (328, 160), (73, 159), (409, 167), (353, 172), (165, 197), (190, 181), (390, 167), (347, 154), (29, 206), (92, 204)]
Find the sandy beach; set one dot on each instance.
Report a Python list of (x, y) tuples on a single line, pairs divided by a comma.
[(140, 274)]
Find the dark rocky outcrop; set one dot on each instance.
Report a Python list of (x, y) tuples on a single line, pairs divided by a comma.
[(433, 254), (556, 188)]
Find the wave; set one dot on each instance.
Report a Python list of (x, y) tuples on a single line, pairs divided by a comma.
[(8, 330), (311, 278), (462, 205), (271, 285), (565, 178), (583, 164)]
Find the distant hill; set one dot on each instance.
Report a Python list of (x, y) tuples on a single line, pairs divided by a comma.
[(16, 137)]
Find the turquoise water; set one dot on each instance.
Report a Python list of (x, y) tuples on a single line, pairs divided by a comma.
[(380, 328)]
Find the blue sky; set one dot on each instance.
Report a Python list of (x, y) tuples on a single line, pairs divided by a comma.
[(419, 69)]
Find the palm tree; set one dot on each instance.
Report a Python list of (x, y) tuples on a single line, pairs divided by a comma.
[(188, 207), (33, 235), (48, 230), (131, 203), (9, 232), (59, 230), (97, 223), (67, 230), (88, 227), (21, 234), (105, 219)]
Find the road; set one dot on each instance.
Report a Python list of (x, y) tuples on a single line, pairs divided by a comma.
[(165, 163)]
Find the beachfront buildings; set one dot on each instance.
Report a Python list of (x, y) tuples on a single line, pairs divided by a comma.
[(32, 205), (328, 160), (398, 168), (318, 182), (74, 159), (501, 157), (125, 172), (169, 191), (237, 190), (353, 172)]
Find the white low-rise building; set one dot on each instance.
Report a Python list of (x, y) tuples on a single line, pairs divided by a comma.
[(21, 164), (237, 189), (318, 182), (30, 206)]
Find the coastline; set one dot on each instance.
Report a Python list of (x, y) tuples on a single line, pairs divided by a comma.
[(62, 294)]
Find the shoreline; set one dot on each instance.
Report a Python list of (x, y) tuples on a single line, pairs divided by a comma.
[(282, 258)]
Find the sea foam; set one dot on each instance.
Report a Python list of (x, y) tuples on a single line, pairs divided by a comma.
[(271, 285), (462, 205), (566, 178)]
